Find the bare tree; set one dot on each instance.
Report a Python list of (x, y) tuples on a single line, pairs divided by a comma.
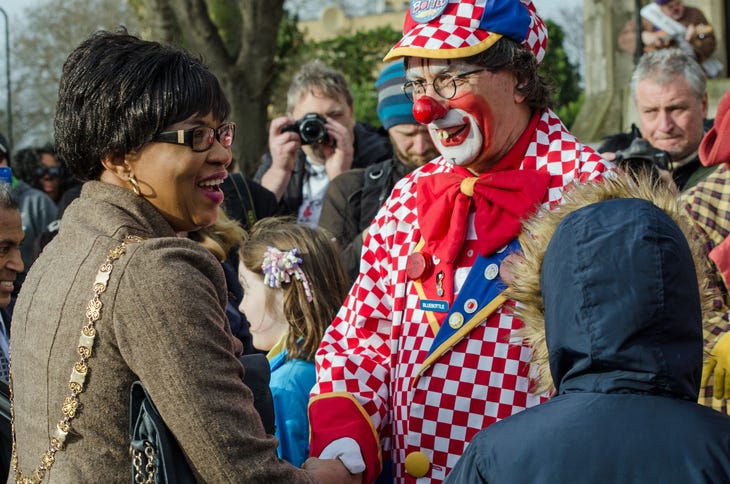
[(238, 41), (41, 40)]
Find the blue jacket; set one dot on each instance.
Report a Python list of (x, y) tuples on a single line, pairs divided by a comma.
[(291, 382), (624, 333)]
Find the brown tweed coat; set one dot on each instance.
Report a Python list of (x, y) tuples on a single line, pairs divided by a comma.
[(163, 322)]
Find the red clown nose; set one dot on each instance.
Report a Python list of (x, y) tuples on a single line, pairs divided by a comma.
[(426, 110)]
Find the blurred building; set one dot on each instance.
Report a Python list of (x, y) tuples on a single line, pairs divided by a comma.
[(322, 20)]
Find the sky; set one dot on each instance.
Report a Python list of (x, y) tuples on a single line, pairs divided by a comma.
[(13, 8), (547, 8)]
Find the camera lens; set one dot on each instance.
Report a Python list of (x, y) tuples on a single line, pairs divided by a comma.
[(312, 130)]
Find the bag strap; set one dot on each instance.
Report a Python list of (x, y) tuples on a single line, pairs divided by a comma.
[(78, 374)]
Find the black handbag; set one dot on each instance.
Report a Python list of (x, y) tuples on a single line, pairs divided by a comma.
[(156, 455)]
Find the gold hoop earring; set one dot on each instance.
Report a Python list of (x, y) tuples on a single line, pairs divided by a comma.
[(135, 186)]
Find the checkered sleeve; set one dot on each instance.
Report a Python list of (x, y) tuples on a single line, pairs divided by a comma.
[(353, 359)]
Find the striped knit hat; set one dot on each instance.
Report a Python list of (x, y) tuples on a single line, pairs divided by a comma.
[(393, 106), (450, 29)]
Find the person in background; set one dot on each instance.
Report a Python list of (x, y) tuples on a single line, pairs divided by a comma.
[(293, 286), (41, 169), (669, 90), (354, 197), (11, 264), (708, 206), (419, 358), (303, 158), (622, 348), (37, 210), (145, 126), (698, 40)]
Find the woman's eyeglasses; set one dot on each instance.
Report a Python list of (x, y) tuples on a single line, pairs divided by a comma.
[(200, 138), (52, 172)]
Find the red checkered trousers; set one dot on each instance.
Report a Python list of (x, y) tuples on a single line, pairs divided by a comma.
[(372, 353)]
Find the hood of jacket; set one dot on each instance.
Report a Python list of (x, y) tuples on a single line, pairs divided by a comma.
[(612, 292), (622, 305)]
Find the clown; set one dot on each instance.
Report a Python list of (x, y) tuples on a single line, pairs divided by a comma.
[(422, 354)]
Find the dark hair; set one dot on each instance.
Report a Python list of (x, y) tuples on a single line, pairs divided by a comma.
[(509, 56), (117, 91), (27, 161)]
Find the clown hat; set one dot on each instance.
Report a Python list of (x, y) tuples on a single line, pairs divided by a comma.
[(448, 29)]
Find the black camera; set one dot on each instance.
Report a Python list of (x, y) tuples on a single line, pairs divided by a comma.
[(311, 129), (640, 155)]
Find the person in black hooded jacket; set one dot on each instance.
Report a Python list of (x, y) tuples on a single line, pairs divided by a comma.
[(621, 327)]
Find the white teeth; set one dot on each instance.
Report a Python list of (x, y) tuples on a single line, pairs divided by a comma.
[(443, 134), (211, 183)]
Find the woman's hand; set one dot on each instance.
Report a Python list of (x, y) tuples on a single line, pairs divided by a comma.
[(331, 471)]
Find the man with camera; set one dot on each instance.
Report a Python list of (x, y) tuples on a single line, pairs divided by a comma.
[(317, 140), (669, 90)]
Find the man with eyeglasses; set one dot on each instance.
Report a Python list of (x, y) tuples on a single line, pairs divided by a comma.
[(423, 353)]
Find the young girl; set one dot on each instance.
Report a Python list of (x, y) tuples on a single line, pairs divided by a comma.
[(293, 286)]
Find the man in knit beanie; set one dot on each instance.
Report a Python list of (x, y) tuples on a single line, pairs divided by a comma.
[(422, 355), (708, 206), (354, 197)]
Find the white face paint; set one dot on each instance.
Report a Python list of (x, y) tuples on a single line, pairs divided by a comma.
[(457, 137)]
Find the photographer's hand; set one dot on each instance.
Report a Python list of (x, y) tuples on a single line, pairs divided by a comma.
[(283, 148), (344, 148)]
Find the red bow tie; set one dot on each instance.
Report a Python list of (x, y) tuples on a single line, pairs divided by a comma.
[(501, 199)]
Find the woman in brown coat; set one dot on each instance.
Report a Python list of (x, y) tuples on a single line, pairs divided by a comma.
[(145, 125)]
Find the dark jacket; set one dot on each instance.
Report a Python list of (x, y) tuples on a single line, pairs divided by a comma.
[(685, 176), (624, 334), (245, 201), (371, 146), (352, 200)]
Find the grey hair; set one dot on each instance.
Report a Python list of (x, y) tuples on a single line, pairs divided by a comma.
[(7, 201), (316, 75), (664, 65)]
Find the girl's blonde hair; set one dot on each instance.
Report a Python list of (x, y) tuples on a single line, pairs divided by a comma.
[(220, 237), (322, 268)]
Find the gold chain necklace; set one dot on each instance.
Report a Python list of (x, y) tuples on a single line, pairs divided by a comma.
[(78, 373)]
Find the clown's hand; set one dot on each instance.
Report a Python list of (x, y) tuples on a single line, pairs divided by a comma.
[(719, 364)]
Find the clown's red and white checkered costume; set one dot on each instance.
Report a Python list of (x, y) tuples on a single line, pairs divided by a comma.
[(370, 355)]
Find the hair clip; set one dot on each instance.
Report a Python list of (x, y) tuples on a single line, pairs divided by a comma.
[(280, 266)]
